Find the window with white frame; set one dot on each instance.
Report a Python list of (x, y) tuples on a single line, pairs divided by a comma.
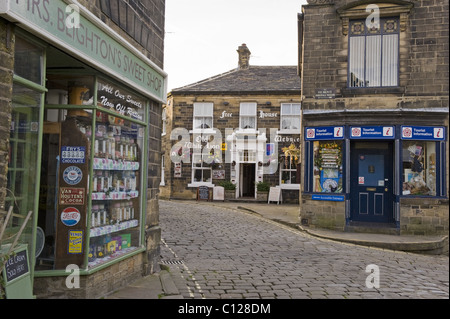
[(201, 171), (247, 116), (203, 115), (164, 120), (163, 182), (373, 53), (290, 117), (289, 171)]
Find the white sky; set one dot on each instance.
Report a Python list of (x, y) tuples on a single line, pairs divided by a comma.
[(202, 36)]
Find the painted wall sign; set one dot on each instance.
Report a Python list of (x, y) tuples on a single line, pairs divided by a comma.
[(71, 196), (70, 216), (332, 198), (372, 132), (429, 133), (324, 133), (73, 154), (90, 40), (120, 101), (75, 242), (263, 115), (72, 175)]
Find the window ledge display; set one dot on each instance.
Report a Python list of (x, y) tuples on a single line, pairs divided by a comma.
[(116, 254), (115, 195), (109, 229), (110, 164)]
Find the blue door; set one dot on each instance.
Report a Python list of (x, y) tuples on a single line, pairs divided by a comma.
[(371, 174)]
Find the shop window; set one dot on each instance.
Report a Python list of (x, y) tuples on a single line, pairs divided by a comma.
[(290, 117), (203, 115), (28, 61), (201, 170), (23, 160), (290, 171), (327, 175), (373, 53), (247, 116), (419, 168), (164, 122)]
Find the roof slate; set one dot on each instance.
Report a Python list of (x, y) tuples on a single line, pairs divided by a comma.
[(255, 79)]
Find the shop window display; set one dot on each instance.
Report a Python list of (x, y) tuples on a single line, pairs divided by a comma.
[(327, 167), (419, 168)]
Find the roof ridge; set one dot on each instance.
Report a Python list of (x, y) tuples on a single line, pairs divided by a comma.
[(215, 77)]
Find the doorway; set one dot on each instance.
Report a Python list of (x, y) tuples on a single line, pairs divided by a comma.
[(371, 175), (247, 180)]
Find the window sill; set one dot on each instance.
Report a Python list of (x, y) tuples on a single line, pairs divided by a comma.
[(353, 92), (197, 184)]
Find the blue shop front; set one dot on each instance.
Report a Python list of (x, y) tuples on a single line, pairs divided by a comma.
[(377, 175)]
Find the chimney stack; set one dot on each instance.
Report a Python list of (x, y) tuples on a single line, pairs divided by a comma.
[(244, 57)]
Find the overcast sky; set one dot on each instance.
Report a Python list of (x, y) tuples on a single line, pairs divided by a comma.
[(202, 36)]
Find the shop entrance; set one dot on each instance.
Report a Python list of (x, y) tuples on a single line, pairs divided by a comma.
[(247, 180), (371, 175)]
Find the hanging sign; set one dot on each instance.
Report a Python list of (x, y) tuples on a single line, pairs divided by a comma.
[(372, 132), (324, 133), (429, 133)]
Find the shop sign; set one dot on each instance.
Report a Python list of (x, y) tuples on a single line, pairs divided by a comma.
[(324, 133), (75, 242), (88, 39), (369, 132), (430, 133), (71, 196), (72, 175), (16, 266), (332, 198), (73, 154), (70, 216), (270, 147)]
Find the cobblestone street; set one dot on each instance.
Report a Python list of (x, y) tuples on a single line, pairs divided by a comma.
[(219, 253)]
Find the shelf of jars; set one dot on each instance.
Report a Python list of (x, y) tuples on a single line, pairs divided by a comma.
[(110, 229), (115, 165)]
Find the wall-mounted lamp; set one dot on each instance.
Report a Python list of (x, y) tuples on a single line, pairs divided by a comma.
[(268, 103), (225, 103)]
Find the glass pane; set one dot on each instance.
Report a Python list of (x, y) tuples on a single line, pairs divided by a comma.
[(23, 159), (390, 60), (327, 172), (373, 61), (419, 168), (28, 61), (356, 64)]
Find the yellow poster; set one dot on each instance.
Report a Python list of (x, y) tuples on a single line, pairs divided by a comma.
[(75, 242)]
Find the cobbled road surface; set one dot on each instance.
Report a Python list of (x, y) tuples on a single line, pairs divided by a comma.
[(226, 254)]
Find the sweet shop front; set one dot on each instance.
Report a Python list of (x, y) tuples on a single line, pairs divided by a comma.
[(79, 150), (372, 175)]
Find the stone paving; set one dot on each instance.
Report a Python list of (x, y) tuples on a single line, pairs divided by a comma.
[(214, 252)]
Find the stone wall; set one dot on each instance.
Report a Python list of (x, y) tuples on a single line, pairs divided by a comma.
[(421, 98), (180, 115), (6, 74)]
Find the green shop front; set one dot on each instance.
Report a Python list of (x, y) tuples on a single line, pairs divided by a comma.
[(78, 150)]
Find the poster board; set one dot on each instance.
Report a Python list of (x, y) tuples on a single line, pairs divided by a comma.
[(274, 195), (218, 193), (203, 193)]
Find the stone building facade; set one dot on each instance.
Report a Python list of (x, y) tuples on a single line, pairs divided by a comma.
[(234, 127), (117, 44), (375, 112)]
